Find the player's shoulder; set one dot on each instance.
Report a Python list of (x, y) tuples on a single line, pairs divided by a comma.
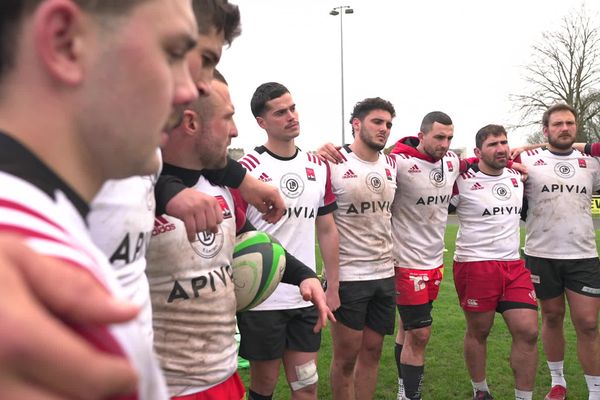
[(253, 159), (451, 155), (465, 176), (389, 160)]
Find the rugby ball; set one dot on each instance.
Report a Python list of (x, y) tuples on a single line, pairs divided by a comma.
[(258, 265)]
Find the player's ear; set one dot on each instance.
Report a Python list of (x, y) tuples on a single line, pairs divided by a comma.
[(191, 122), (477, 152), (355, 125), (261, 122), (60, 37), (545, 131), (420, 136)]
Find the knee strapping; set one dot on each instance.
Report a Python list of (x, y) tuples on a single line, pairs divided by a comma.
[(307, 375)]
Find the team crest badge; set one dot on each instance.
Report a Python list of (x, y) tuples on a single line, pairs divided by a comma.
[(291, 185), (310, 174), (375, 183), (582, 163), (224, 206), (437, 178), (208, 244), (501, 191), (564, 170)]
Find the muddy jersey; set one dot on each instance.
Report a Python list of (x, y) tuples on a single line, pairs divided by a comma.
[(420, 209), (489, 211), (364, 193), (121, 221), (193, 299), (304, 183), (37, 205), (559, 191)]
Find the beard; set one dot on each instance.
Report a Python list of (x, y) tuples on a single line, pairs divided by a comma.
[(562, 145), (370, 143)]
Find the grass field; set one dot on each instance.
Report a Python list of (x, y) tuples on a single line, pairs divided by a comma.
[(445, 375)]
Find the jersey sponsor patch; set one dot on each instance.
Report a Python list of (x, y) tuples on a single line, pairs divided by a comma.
[(310, 174), (224, 206), (265, 178), (388, 174), (450, 166), (162, 225), (582, 163), (349, 174), (414, 169), (514, 182)]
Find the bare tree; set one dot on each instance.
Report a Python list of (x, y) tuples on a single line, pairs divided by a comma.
[(566, 69)]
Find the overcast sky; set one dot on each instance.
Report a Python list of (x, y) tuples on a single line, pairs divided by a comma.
[(463, 57)]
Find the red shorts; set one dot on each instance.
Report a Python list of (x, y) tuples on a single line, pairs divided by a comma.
[(417, 286), (483, 285), (230, 389)]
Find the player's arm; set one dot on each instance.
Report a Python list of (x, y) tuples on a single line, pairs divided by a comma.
[(514, 152), (329, 245), (331, 153), (39, 356)]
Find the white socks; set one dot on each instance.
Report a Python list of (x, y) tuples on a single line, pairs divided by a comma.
[(557, 374), (593, 384), (481, 386), (523, 395)]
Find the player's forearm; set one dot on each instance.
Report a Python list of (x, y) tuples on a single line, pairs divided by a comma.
[(329, 244)]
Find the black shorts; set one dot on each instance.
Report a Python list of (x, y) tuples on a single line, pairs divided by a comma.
[(265, 335), (370, 303), (551, 277), (416, 316)]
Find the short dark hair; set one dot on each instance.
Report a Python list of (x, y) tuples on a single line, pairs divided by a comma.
[(432, 117), (556, 108), (217, 75), (218, 14), (362, 108), (487, 131), (264, 93), (12, 13)]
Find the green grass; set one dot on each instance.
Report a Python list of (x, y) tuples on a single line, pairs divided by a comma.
[(445, 375)]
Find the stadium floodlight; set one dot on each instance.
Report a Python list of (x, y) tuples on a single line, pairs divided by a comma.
[(341, 10)]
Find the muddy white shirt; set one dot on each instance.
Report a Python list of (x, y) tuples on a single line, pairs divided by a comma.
[(36, 204), (420, 209), (559, 193), (193, 299), (304, 183), (489, 211), (364, 193)]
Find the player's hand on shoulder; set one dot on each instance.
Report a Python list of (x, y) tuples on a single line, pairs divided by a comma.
[(330, 152), (522, 169), (264, 197), (311, 290), (40, 358), (199, 211)]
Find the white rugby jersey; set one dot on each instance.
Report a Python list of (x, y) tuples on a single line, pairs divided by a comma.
[(364, 193), (193, 299), (420, 207), (559, 191), (489, 211), (36, 204), (121, 220), (304, 183)]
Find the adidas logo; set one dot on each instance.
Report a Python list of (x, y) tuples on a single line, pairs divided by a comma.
[(476, 186), (472, 302), (162, 225), (414, 169), (264, 177), (540, 162), (349, 174)]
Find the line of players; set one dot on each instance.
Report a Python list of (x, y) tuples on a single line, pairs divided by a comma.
[(370, 188)]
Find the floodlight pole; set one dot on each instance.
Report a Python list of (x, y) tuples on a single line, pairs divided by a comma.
[(341, 10)]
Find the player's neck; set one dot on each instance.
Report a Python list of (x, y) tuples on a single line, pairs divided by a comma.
[(364, 152), (283, 148), (556, 150), (486, 169)]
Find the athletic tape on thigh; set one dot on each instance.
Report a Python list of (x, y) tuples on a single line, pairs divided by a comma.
[(307, 375)]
